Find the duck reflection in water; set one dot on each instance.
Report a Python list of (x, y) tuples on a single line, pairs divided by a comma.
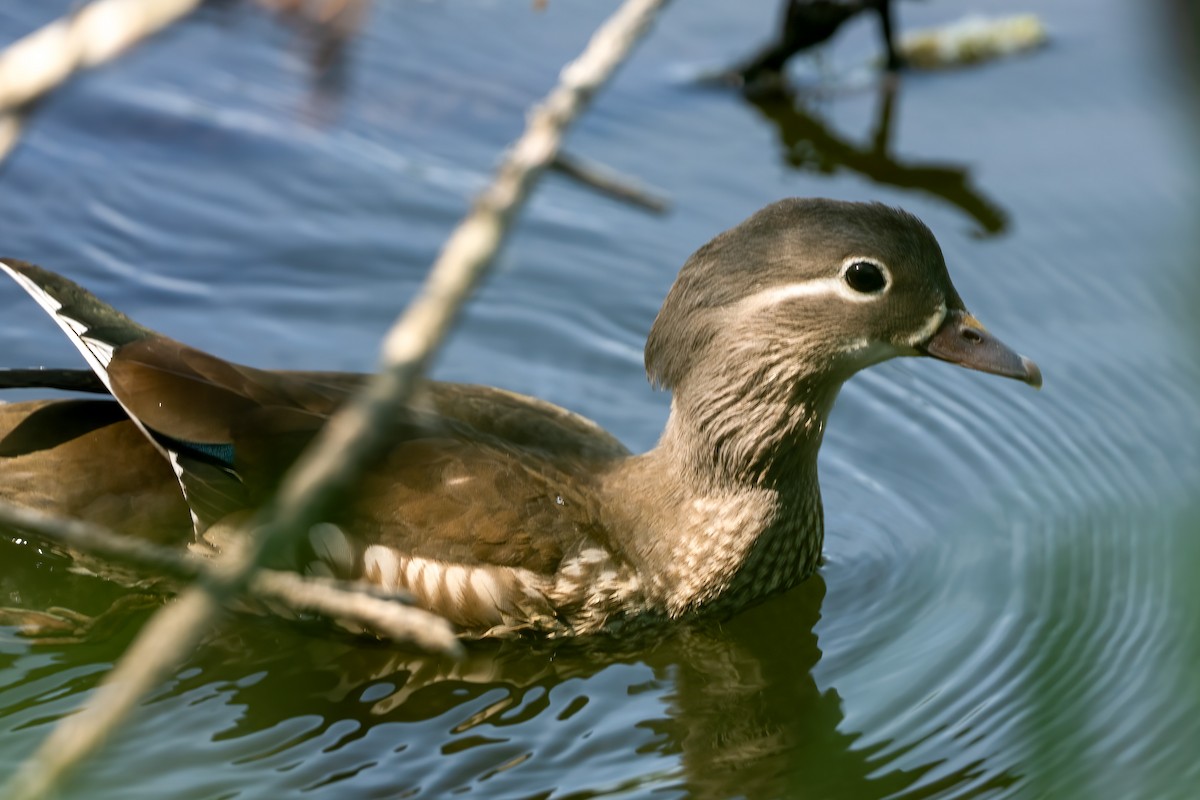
[(713, 710), (733, 709)]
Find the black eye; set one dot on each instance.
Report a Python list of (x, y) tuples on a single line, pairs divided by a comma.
[(865, 277)]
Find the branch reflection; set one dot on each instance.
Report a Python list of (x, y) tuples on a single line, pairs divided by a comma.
[(809, 144)]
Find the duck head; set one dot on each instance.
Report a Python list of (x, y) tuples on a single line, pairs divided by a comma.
[(766, 321)]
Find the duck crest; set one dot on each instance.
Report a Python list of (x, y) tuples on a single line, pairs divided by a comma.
[(506, 514)]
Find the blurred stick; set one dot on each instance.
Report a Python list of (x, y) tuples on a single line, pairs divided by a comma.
[(104, 29), (610, 182), (42, 61), (336, 600), (96, 33), (973, 40), (11, 125), (352, 437), (385, 613)]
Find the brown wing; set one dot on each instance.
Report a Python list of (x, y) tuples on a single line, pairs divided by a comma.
[(525, 421), (488, 476), (86, 460), (192, 396), (196, 397), (471, 502)]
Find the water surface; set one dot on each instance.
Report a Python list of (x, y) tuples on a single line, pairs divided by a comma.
[(1006, 608)]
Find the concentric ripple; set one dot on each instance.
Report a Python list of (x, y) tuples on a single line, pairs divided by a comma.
[(1021, 590), (1008, 604)]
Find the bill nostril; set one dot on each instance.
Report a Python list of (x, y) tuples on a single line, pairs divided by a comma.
[(972, 336)]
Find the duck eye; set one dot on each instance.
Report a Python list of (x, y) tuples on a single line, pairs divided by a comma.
[(865, 277)]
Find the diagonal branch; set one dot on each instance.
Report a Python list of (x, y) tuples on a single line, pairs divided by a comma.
[(96, 33), (352, 437)]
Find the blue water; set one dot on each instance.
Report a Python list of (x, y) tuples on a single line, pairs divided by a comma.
[(1007, 606)]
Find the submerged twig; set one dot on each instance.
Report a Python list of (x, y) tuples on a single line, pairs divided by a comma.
[(383, 613), (352, 436), (99, 541)]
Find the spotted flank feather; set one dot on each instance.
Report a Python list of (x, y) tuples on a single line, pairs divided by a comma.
[(482, 599), (486, 599)]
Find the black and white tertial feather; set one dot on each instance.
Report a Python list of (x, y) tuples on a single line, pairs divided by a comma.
[(210, 485)]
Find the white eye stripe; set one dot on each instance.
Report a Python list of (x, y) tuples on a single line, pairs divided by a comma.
[(817, 287)]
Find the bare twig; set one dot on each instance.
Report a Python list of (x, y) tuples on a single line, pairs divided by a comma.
[(351, 437), (11, 125), (610, 182), (398, 623), (384, 613), (96, 33), (99, 541)]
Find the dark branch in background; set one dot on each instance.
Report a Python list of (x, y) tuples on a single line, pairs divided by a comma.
[(331, 24), (805, 24), (809, 143)]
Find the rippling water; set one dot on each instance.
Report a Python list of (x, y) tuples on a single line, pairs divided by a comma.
[(1007, 607)]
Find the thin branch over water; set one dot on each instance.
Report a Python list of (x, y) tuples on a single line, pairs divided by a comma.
[(93, 35), (353, 435)]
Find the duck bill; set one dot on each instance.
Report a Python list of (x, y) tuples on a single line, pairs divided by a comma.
[(963, 340)]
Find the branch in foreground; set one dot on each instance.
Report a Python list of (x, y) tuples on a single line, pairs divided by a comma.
[(384, 613), (399, 623), (96, 33), (11, 125), (351, 438)]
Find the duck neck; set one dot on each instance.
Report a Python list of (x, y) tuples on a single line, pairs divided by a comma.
[(737, 508), (764, 434)]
